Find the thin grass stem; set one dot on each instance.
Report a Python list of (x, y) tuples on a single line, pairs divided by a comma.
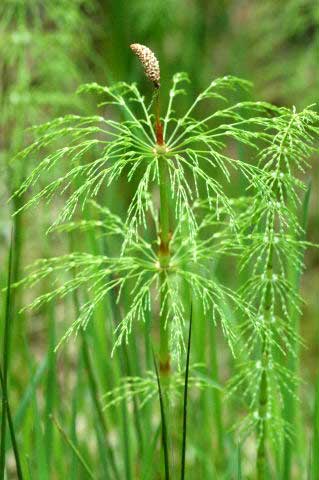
[(291, 412), (5, 360), (186, 396), (12, 435), (163, 422), (75, 450)]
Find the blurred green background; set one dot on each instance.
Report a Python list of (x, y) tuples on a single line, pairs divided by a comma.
[(47, 49)]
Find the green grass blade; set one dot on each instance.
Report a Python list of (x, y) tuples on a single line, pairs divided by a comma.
[(5, 357), (75, 450), (185, 396), (40, 468), (291, 404), (216, 399), (239, 474), (93, 384), (125, 425), (97, 403), (29, 393), (76, 395), (163, 420), (148, 464), (128, 360), (51, 388), (12, 435)]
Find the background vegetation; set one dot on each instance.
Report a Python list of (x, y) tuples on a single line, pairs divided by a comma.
[(48, 49)]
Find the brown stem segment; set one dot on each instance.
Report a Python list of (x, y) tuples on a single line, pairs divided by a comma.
[(158, 123)]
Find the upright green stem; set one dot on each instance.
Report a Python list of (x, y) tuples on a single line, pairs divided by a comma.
[(292, 411), (263, 392), (217, 403), (164, 250), (164, 210), (164, 258), (5, 362), (261, 452)]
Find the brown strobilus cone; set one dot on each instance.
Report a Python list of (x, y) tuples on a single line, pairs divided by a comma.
[(152, 71)]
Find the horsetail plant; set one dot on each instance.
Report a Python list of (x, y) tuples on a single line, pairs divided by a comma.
[(181, 162), (180, 221), (274, 245)]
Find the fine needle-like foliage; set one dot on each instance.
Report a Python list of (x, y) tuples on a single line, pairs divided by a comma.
[(99, 150), (167, 245), (273, 245)]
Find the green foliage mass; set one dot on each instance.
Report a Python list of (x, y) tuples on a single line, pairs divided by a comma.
[(261, 230), (210, 225)]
